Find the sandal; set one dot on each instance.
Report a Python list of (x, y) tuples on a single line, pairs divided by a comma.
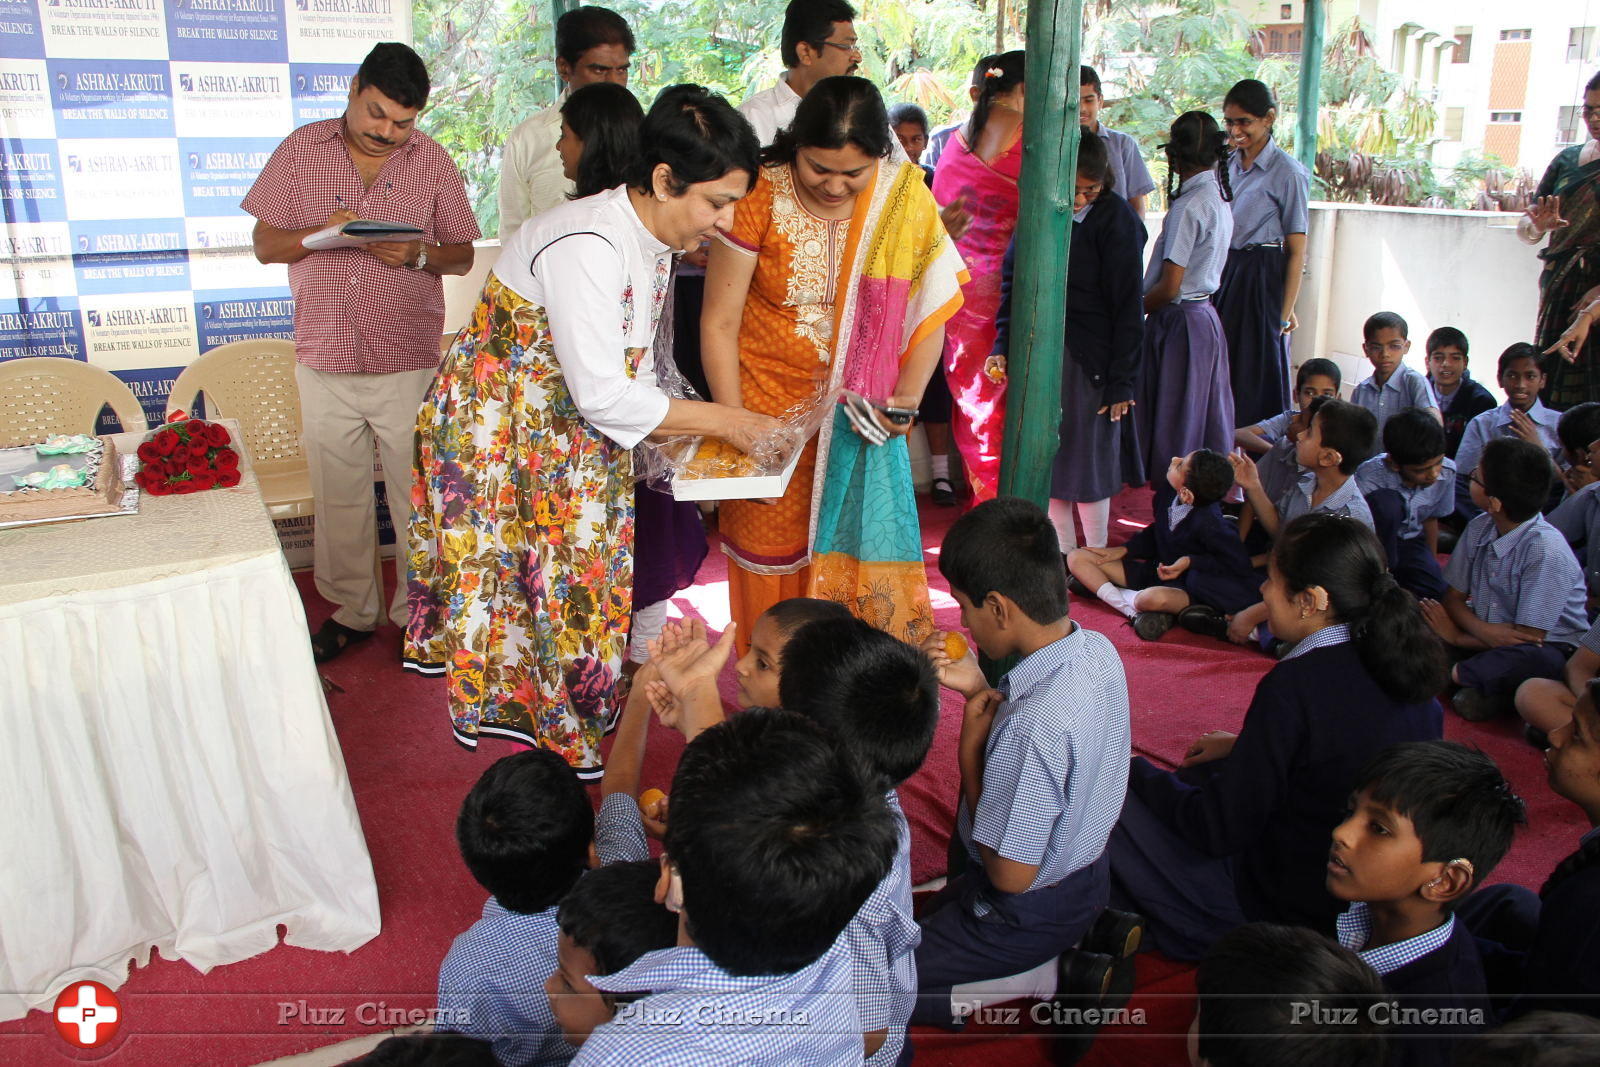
[(944, 492), (333, 639)]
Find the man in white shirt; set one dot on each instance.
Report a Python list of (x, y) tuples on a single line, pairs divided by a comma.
[(593, 44), (819, 41)]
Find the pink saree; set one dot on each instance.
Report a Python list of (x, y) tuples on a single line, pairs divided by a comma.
[(978, 385)]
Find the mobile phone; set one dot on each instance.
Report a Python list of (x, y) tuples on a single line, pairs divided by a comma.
[(898, 416)]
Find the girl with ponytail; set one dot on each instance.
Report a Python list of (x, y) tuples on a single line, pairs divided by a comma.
[(1240, 833), (979, 169), (1184, 402)]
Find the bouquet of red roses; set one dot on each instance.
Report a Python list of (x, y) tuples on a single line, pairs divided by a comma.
[(187, 456)]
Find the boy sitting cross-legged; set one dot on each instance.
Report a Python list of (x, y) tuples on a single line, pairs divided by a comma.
[(1044, 761), (1428, 822), (1515, 604), (1409, 488), (1189, 554)]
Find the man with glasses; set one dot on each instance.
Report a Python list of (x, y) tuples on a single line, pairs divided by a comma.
[(819, 41)]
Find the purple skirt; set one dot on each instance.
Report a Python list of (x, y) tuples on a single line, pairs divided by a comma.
[(669, 544), (1185, 399)]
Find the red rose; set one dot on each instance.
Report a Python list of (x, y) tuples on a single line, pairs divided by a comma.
[(165, 442), (180, 454), (196, 429), (148, 453), (139, 479), (217, 434), (156, 488), (228, 478), (172, 468), (197, 466), (227, 460), (184, 487), (205, 479)]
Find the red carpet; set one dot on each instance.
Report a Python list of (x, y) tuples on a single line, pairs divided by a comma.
[(409, 778)]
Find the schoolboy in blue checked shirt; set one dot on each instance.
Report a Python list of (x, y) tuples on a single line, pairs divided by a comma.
[(773, 844), (1515, 602), (1044, 761), (524, 831)]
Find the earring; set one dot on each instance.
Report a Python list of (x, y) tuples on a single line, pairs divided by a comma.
[(661, 197)]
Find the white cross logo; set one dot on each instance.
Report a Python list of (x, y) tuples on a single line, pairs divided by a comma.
[(82, 1010)]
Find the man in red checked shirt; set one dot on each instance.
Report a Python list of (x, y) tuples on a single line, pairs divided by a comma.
[(367, 320)]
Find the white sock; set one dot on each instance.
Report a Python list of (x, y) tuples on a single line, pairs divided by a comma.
[(1121, 599), (940, 466), (1036, 984), (648, 622), (1061, 517), (1096, 519)]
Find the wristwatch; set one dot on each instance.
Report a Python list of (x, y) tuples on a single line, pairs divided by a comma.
[(422, 256)]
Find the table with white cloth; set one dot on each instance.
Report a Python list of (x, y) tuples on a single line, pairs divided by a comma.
[(169, 775)]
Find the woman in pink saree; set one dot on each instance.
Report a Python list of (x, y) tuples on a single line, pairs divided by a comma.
[(980, 166)]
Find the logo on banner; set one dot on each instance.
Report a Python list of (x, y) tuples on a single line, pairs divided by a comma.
[(87, 1014)]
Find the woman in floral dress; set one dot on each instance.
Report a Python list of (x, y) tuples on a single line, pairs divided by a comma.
[(521, 537)]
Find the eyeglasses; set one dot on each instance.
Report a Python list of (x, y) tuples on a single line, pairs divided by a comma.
[(854, 47), (1397, 347), (1241, 123), (1588, 111)]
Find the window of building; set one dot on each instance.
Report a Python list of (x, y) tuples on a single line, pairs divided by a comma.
[(1580, 44), (1286, 12), (1274, 41), (1463, 49), (1569, 125), (1455, 120), (1505, 116), (1516, 35), (1294, 40)]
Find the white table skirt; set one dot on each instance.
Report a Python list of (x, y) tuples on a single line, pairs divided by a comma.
[(169, 777)]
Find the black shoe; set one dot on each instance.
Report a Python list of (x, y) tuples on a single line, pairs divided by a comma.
[(333, 638), (1075, 587), (1474, 705), (1150, 625), (1535, 736), (1204, 620), (1117, 934), (1084, 974), (944, 492)]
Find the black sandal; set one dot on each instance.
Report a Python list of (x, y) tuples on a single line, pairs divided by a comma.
[(333, 639)]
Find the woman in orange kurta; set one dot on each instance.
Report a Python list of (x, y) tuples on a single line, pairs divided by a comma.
[(837, 274)]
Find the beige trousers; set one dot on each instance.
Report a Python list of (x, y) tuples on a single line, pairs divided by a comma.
[(342, 413)]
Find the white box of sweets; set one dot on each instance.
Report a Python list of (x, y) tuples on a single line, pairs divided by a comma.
[(689, 483)]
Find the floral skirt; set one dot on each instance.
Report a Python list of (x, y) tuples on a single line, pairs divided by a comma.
[(520, 567)]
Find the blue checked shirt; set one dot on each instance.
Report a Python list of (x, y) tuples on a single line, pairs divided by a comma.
[(1274, 429), (1578, 519), (619, 832), (1355, 926), (1345, 500), (1055, 767), (1528, 577), (1406, 388), (1497, 423), (491, 986), (1127, 165), (698, 1015), (1279, 468), (1194, 236), (1337, 634), (883, 938), (1591, 641), (1434, 502)]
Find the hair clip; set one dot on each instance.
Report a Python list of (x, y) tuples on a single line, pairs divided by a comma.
[(994, 72)]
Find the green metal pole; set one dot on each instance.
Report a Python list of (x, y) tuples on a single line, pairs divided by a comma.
[(1305, 138), (1039, 284)]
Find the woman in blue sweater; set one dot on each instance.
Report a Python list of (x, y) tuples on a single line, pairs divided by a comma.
[(1240, 832)]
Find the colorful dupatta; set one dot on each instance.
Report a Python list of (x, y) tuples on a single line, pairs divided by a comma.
[(903, 281), (1571, 269)]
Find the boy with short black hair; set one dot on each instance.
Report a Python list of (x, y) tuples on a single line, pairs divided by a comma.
[(1522, 416), (1132, 177), (608, 920), (1459, 397), (1271, 995), (880, 698), (773, 845), (1339, 439), (1393, 387), (1577, 429), (1189, 554), (1044, 761), (1429, 820), (524, 832), (1515, 602), (1316, 377), (1409, 488)]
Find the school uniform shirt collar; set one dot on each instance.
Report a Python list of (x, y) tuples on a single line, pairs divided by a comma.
[(1036, 666), (1197, 181), (1177, 511), (1505, 544), (1538, 413), (1393, 384), (1355, 925), (1337, 499), (1327, 637), (1263, 162)]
